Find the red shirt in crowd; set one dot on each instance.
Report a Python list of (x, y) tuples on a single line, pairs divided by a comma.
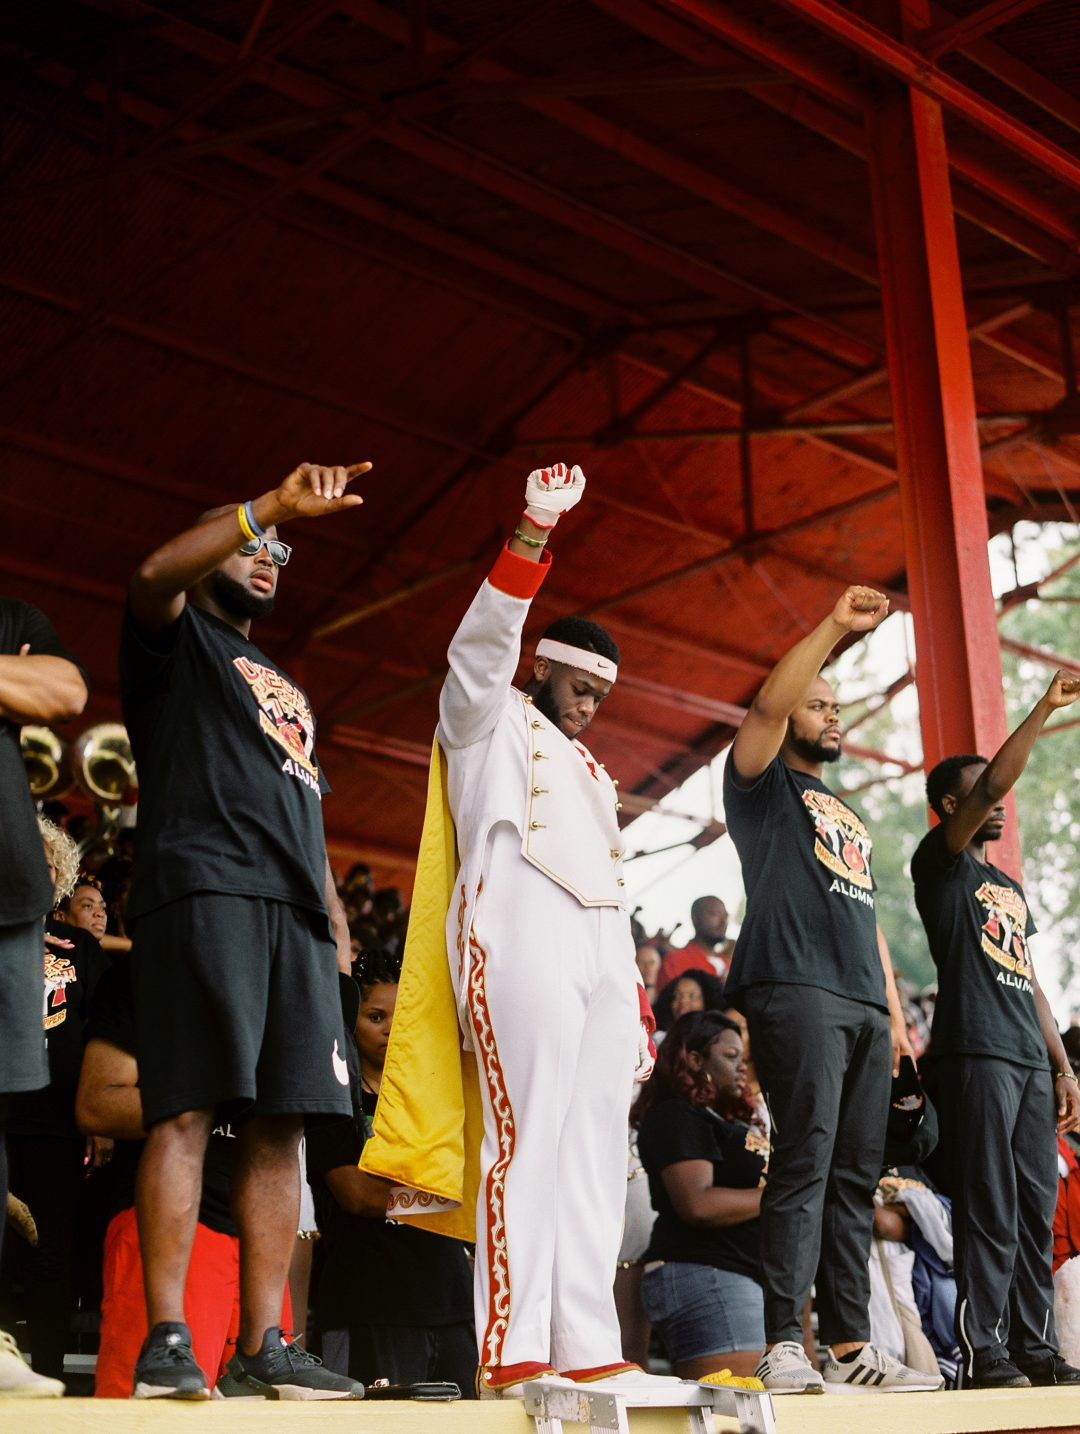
[(693, 957)]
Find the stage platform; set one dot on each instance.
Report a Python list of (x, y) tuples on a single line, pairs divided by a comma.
[(977, 1412)]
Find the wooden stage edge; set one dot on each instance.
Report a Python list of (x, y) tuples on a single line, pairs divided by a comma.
[(975, 1412)]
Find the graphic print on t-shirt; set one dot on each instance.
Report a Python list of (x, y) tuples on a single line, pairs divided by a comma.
[(59, 972), (757, 1143), (284, 716), (1004, 937), (841, 842)]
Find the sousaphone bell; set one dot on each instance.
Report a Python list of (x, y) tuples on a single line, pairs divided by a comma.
[(46, 759)]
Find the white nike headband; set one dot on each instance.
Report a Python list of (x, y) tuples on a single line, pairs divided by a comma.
[(578, 657)]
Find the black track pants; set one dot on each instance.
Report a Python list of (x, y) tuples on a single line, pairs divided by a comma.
[(824, 1063), (998, 1125)]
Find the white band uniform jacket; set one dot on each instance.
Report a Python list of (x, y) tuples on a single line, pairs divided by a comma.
[(506, 762)]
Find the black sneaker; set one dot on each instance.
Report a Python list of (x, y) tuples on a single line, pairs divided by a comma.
[(997, 1374), (282, 1370), (1050, 1369), (166, 1367)]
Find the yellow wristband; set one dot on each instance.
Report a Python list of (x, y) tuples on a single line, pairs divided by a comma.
[(245, 526)]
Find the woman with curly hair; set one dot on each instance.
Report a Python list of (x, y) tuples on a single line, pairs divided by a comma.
[(706, 1159), (694, 990)]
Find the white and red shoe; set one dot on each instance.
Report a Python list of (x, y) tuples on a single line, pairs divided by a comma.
[(507, 1381)]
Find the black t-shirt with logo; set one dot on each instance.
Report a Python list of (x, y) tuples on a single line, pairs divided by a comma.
[(71, 974), (674, 1131), (805, 858), (25, 889), (376, 1272), (977, 924), (112, 1019), (230, 792)]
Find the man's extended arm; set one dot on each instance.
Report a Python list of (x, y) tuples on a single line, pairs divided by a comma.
[(338, 924), (901, 1044), (486, 648), (37, 687), (158, 587), (108, 1100), (1066, 1094), (358, 1192), (1002, 772), (762, 732)]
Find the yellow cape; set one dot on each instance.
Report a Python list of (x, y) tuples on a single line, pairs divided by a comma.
[(429, 1121)]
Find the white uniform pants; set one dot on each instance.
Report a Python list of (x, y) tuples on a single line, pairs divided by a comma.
[(553, 1006)]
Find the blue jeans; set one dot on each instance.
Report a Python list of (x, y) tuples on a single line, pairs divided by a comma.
[(700, 1310)]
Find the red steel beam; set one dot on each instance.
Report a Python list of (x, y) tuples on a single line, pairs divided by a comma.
[(310, 90), (939, 39), (998, 62), (649, 156), (911, 67), (740, 548), (961, 706), (340, 194), (1041, 655), (827, 100)]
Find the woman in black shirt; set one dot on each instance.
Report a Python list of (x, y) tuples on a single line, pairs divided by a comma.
[(706, 1164), (391, 1301)]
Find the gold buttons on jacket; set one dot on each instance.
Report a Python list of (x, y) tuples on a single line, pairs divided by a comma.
[(614, 853), (536, 826), (537, 724), (614, 781), (539, 756), (540, 791), (620, 882)]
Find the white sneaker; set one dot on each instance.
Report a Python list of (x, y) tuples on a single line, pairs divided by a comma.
[(786, 1370), (18, 1380), (873, 1371), (633, 1381)]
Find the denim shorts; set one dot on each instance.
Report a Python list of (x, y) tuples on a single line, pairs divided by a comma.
[(700, 1310)]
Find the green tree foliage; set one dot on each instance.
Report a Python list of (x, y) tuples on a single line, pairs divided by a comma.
[(1046, 796)]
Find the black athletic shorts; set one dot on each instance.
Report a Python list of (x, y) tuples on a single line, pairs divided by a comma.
[(23, 1064), (236, 1005)]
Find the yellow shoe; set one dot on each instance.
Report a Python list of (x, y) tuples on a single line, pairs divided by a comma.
[(728, 1380)]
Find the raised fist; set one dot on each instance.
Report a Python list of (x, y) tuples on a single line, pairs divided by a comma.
[(861, 609), (551, 492), (1064, 690)]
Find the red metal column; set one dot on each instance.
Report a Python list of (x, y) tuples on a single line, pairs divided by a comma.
[(941, 483)]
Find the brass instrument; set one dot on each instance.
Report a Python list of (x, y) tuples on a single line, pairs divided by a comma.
[(102, 763), (46, 759)]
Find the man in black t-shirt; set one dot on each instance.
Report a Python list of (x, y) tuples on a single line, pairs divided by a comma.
[(238, 931), (109, 1104), (817, 990), (1002, 1068), (39, 682)]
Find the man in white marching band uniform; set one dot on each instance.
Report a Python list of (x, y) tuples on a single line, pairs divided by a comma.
[(542, 966)]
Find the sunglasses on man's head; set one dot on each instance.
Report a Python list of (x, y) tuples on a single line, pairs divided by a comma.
[(279, 552)]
